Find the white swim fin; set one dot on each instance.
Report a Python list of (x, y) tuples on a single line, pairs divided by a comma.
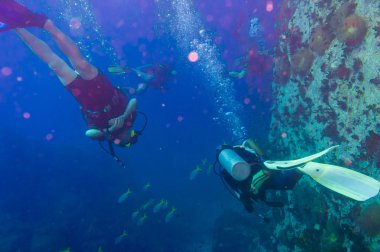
[(347, 182), (292, 164)]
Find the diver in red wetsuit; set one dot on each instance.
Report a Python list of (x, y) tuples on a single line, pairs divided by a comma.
[(155, 77), (106, 109)]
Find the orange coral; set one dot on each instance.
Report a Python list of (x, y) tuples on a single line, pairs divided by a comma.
[(335, 19), (302, 61), (353, 30), (369, 220), (320, 40)]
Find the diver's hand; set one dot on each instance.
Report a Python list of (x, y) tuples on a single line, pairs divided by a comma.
[(116, 123)]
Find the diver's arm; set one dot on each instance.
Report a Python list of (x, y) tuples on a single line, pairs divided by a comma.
[(131, 107), (118, 122)]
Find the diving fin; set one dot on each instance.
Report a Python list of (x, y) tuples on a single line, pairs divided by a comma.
[(347, 182), (143, 75), (292, 164), (143, 66), (117, 69)]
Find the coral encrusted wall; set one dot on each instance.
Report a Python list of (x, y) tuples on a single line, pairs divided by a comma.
[(327, 82), (326, 91)]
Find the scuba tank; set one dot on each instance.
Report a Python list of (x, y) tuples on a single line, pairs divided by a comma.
[(237, 167)]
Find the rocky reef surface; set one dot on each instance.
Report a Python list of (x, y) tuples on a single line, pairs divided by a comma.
[(326, 91)]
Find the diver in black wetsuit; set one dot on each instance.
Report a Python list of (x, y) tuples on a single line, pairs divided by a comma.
[(248, 175), (260, 179)]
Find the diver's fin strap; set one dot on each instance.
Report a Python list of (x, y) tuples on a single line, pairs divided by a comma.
[(257, 181), (347, 182), (292, 164)]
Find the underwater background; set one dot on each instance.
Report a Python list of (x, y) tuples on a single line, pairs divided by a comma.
[(296, 76)]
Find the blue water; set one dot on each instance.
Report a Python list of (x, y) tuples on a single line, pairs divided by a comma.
[(59, 190)]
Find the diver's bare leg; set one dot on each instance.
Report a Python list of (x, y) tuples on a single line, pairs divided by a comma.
[(81, 65), (65, 74)]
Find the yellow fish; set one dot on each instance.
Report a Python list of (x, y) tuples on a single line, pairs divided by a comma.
[(203, 161), (195, 172), (124, 196), (209, 168), (238, 75), (135, 214), (142, 220), (147, 204), (158, 206), (165, 205), (121, 237), (147, 186), (170, 215)]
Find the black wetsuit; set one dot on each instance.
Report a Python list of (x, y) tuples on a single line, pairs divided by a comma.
[(278, 180)]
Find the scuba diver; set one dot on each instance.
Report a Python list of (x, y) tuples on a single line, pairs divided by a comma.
[(248, 175), (108, 112), (153, 76)]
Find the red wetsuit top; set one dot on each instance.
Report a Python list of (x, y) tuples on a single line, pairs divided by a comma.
[(100, 101)]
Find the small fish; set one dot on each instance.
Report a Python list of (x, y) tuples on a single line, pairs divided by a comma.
[(100, 249), (195, 172), (147, 186), (158, 206), (165, 205), (209, 168), (170, 215), (238, 75), (121, 237), (147, 204), (203, 162), (142, 220), (118, 69), (124, 196), (66, 250), (135, 214)]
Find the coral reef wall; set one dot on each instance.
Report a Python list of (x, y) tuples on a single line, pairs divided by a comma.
[(330, 94), (326, 91)]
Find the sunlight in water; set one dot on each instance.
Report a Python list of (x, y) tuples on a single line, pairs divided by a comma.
[(86, 31), (191, 36)]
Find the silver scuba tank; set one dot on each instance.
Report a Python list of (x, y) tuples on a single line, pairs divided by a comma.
[(234, 164)]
